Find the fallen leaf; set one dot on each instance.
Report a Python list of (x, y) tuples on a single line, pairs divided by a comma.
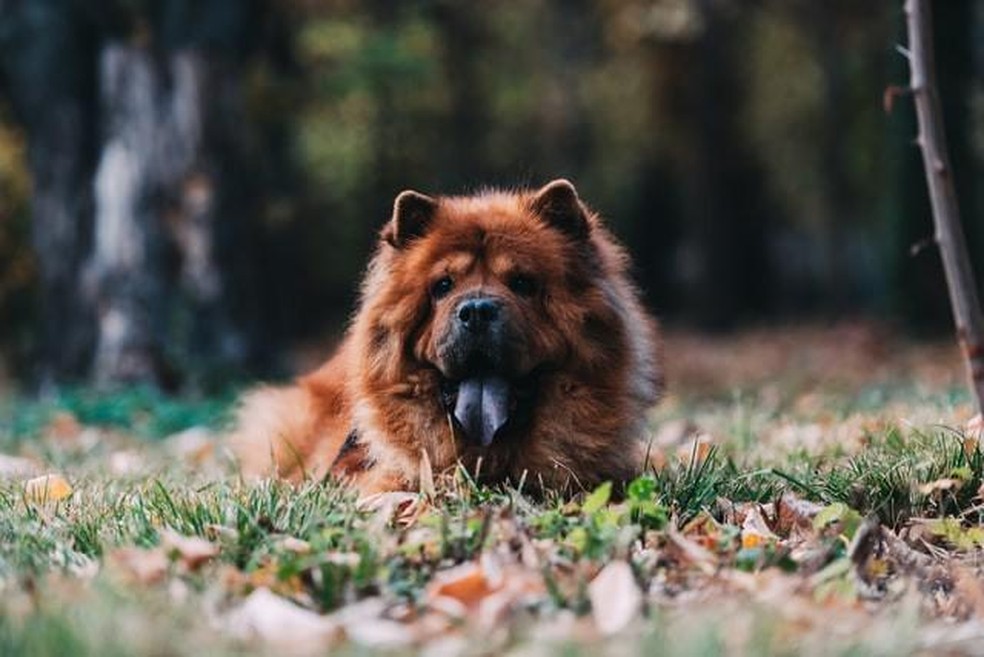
[(755, 531), (47, 488), (940, 485), (968, 587), (466, 583), (363, 623), (140, 565), (265, 615), (844, 517), (794, 512), (955, 533), (615, 597), (380, 633), (686, 550), (519, 588), (697, 452), (401, 507), (192, 551), (215, 531), (427, 488)]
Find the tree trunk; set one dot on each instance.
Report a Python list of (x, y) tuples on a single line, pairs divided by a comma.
[(138, 139), (729, 217), (47, 62), (462, 37), (155, 211)]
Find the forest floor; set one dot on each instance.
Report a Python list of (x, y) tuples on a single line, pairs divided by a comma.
[(817, 492)]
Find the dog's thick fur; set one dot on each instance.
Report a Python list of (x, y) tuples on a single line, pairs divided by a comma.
[(570, 342)]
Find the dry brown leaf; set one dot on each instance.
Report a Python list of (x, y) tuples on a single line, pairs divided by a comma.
[(232, 580), (363, 623), (140, 565), (401, 507), (696, 452), (494, 609), (655, 459), (265, 615), (427, 488), (968, 587), (380, 633), (615, 597), (215, 531), (514, 586), (940, 486), (794, 512), (268, 576), (47, 488), (191, 551), (466, 583), (755, 530), (686, 550)]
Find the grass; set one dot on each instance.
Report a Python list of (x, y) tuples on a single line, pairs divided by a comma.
[(66, 586), (141, 411)]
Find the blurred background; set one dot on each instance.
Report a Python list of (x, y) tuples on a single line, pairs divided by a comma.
[(189, 189)]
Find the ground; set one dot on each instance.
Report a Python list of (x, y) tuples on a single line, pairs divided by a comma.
[(814, 491)]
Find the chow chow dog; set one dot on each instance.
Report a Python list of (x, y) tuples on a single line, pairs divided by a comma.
[(498, 332)]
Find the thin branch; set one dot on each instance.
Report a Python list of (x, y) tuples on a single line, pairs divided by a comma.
[(943, 196)]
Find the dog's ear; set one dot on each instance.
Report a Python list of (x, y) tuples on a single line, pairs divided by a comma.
[(557, 204), (412, 214)]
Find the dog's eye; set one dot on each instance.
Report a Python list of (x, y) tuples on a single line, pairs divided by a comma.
[(441, 287), (522, 284)]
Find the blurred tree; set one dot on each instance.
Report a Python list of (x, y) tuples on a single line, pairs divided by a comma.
[(48, 62), (844, 42), (463, 42), (171, 109), (723, 259), (17, 267), (138, 141), (207, 176)]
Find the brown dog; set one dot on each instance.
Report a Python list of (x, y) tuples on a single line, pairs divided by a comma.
[(499, 331)]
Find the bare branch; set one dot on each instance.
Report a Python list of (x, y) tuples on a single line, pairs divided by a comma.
[(943, 196)]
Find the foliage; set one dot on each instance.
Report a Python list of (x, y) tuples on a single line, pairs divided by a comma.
[(347, 103), (118, 546)]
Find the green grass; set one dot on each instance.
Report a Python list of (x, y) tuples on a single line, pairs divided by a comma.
[(62, 592), (142, 411)]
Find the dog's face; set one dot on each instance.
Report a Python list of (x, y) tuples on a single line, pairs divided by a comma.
[(494, 277)]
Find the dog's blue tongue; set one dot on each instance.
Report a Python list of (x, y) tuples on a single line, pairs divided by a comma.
[(482, 407)]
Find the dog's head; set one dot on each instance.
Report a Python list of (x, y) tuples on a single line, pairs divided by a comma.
[(489, 291)]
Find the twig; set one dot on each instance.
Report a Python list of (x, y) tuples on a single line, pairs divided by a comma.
[(943, 196)]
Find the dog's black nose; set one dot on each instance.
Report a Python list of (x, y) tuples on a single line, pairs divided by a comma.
[(478, 314)]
